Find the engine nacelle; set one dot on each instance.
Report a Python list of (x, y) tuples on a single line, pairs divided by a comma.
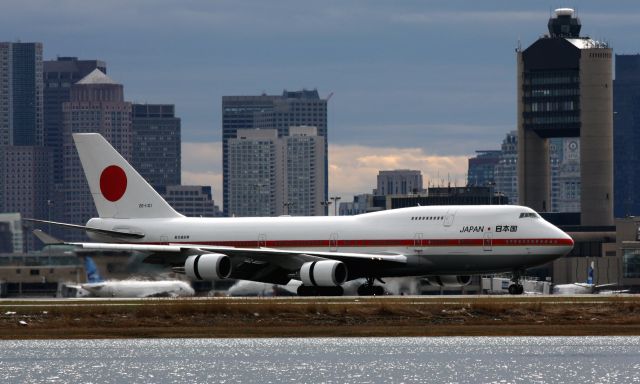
[(209, 266), (324, 273), (451, 281)]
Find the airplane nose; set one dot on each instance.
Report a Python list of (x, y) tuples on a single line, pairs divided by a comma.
[(565, 240)]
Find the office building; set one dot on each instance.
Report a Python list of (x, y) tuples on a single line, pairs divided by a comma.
[(156, 139), (626, 131), (362, 203), (21, 120), (25, 183), (13, 234), (59, 76), (565, 90), (255, 176), (275, 112), (97, 105), (304, 159), (6, 238), (565, 174), (399, 182), (191, 200), (506, 171), (272, 176), (482, 168)]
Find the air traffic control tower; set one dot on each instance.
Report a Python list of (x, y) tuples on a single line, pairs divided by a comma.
[(565, 90)]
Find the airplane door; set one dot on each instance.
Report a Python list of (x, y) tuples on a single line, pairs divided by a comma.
[(418, 242), (262, 240), (448, 218), (487, 241), (333, 242)]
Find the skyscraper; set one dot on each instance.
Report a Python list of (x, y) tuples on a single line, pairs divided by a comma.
[(482, 168), (272, 176), (97, 105), (25, 183), (255, 176), (506, 171), (304, 159), (59, 76), (271, 112), (21, 94), (626, 131), (565, 90), (156, 139)]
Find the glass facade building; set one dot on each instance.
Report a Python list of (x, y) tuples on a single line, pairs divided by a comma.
[(156, 138), (59, 76), (626, 131), (21, 120)]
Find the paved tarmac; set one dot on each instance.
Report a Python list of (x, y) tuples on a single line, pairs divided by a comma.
[(330, 300)]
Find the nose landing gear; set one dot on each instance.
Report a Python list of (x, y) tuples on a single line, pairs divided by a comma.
[(516, 288)]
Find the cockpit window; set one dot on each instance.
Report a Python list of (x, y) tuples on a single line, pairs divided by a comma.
[(531, 215)]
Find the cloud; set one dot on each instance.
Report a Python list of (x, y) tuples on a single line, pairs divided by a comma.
[(442, 140), (202, 165), (352, 168)]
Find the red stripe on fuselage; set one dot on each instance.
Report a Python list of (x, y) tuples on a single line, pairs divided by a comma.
[(382, 243)]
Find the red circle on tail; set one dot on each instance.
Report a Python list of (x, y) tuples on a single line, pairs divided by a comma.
[(113, 183)]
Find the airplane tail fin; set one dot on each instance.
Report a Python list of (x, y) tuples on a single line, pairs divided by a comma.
[(93, 276), (117, 189), (590, 273)]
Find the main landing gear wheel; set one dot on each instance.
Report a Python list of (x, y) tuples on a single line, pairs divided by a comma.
[(306, 290), (516, 289), (368, 289)]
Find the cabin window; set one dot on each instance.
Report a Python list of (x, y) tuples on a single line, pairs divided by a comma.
[(531, 215)]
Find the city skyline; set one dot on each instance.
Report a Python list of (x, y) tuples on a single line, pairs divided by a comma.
[(420, 86)]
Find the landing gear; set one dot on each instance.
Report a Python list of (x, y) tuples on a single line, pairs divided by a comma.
[(368, 289), (306, 290), (516, 288)]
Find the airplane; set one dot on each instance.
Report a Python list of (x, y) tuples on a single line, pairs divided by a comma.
[(393, 286), (244, 288), (445, 243), (587, 287), (97, 287)]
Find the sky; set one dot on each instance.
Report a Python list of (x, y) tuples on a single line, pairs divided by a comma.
[(415, 84)]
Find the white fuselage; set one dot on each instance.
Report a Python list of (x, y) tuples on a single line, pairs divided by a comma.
[(435, 239)]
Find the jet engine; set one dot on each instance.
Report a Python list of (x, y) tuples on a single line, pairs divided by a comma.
[(451, 281), (209, 266), (323, 273)]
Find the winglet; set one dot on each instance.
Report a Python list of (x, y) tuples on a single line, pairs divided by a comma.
[(46, 238)]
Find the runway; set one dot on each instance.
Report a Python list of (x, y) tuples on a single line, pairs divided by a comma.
[(454, 300)]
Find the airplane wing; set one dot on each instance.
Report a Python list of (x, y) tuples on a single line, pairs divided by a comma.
[(266, 265), (275, 266)]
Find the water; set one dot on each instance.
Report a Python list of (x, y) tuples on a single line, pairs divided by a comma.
[(325, 360)]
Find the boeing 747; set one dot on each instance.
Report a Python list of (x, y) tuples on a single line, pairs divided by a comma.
[(447, 244)]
